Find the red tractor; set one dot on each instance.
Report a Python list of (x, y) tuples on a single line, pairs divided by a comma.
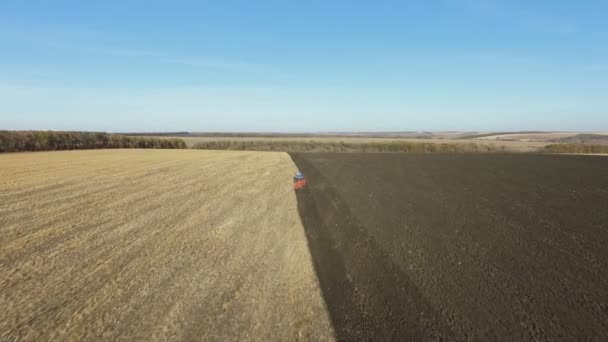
[(299, 181)]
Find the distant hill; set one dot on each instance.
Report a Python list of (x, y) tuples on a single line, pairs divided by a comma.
[(584, 139), (491, 134)]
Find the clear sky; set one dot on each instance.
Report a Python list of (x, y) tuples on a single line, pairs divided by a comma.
[(304, 65)]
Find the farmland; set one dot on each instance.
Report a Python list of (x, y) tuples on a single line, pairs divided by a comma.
[(154, 245), (459, 247), (216, 245)]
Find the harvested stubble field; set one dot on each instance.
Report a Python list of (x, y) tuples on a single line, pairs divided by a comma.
[(154, 245), (461, 246)]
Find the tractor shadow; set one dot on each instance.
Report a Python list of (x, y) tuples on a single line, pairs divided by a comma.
[(367, 295)]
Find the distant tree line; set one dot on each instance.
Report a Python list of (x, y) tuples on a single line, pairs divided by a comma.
[(16, 141), (321, 146)]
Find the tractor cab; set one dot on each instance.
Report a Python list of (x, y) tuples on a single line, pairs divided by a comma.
[(299, 181)]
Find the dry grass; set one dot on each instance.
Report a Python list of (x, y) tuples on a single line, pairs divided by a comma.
[(154, 245)]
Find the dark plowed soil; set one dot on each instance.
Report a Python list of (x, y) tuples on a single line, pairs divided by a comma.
[(459, 247)]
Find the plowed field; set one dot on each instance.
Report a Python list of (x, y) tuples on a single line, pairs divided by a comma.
[(459, 247)]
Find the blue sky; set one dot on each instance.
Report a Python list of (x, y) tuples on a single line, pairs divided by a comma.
[(304, 65)]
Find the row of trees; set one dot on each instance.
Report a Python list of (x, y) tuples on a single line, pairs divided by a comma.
[(15, 141), (324, 146)]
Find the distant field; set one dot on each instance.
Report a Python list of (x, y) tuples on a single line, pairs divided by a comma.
[(540, 136), (517, 142), (154, 245), (535, 136)]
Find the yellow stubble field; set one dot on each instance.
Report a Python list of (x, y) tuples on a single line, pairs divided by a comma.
[(154, 245)]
